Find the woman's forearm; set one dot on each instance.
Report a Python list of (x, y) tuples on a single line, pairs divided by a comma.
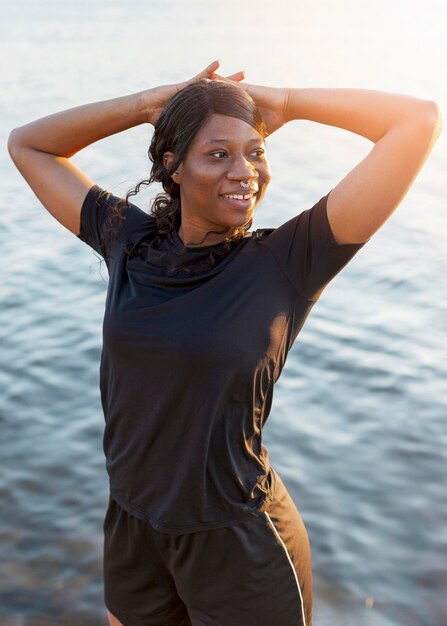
[(362, 111), (66, 132)]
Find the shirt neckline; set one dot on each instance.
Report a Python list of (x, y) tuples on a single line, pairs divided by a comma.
[(178, 243)]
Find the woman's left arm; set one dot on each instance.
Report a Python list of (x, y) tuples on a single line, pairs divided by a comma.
[(404, 130)]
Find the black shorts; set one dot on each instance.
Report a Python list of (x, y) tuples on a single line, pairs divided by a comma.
[(255, 573)]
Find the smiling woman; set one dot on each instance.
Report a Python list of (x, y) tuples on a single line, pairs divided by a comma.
[(199, 318)]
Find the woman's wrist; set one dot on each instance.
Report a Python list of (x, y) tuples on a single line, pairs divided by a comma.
[(146, 106), (153, 101)]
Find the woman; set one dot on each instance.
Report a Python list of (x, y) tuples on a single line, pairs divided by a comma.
[(200, 315)]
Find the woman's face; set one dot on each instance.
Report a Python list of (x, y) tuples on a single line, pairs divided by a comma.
[(224, 152)]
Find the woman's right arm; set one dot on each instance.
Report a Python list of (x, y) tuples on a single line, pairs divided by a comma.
[(41, 150)]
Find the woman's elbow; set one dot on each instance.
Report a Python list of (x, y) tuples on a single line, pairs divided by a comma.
[(14, 143), (434, 115)]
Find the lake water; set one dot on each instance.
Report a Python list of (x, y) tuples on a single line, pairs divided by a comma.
[(358, 425)]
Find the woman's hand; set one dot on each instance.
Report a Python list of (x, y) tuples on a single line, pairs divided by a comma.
[(155, 99), (271, 102)]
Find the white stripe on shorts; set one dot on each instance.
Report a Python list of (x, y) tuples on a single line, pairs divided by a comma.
[(291, 565)]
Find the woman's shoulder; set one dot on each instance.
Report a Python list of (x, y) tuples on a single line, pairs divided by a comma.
[(107, 219)]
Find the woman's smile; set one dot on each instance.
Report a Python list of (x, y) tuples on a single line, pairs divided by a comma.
[(240, 201)]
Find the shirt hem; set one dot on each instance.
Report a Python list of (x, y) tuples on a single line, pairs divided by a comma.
[(190, 528)]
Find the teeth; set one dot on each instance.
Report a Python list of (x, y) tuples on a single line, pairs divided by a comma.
[(238, 197)]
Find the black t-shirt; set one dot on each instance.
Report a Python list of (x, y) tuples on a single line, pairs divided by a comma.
[(191, 354)]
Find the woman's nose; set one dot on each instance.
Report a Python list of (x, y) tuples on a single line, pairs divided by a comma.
[(242, 169)]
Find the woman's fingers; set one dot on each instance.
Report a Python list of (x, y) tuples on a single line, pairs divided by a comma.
[(237, 77), (165, 92), (234, 78), (208, 72)]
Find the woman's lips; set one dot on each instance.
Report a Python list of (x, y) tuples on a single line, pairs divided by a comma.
[(239, 204)]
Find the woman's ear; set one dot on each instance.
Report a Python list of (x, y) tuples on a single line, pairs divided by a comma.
[(168, 159)]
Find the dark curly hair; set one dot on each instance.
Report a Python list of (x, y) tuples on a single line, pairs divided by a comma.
[(179, 122)]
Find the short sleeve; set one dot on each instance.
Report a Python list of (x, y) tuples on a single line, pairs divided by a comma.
[(101, 227), (307, 252)]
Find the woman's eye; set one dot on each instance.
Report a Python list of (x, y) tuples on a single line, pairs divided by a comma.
[(259, 152)]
